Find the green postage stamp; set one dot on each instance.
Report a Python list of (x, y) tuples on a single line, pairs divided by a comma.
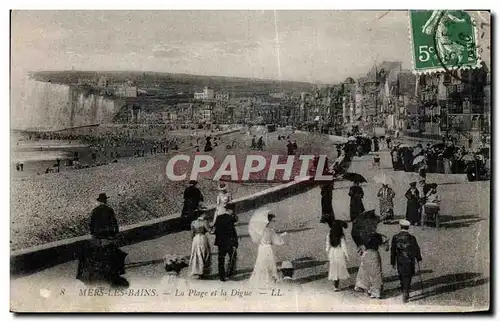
[(443, 40)]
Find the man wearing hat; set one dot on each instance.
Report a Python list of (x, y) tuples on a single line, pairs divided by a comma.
[(404, 252), (101, 260), (103, 222)]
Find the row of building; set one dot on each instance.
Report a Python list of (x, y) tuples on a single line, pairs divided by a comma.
[(396, 99)]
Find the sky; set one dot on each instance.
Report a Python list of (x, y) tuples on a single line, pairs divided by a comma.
[(310, 46)]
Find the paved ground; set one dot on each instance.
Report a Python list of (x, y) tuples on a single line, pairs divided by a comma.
[(455, 267)]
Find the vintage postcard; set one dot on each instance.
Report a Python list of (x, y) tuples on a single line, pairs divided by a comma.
[(250, 161)]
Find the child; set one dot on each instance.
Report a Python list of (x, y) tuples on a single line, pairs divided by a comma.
[(337, 254), (376, 161)]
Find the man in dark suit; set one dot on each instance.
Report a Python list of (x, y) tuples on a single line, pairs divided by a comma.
[(103, 222), (226, 240), (101, 260), (404, 252)]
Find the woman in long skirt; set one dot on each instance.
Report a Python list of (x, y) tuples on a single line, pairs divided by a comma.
[(337, 254), (265, 272), (369, 277), (356, 206), (199, 262), (413, 204), (327, 214)]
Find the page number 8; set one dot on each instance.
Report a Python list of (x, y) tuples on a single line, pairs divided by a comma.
[(424, 53)]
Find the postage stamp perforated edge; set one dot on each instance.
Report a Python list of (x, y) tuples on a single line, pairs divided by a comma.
[(430, 71)]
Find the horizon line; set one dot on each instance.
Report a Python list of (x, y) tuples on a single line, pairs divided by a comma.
[(186, 74)]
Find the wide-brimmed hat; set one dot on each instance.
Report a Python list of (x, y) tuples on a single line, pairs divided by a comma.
[(222, 186), (433, 185), (287, 265), (193, 182), (102, 197), (413, 184)]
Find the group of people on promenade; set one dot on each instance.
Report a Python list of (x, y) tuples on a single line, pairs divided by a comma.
[(419, 195), (405, 253), (444, 158), (102, 260)]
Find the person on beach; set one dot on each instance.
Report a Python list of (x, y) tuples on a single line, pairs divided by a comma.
[(223, 199), (386, 199), (260, 144), (356, 206), (289, 148), (337, 254), (199, 262), (208, 144), (192, 199), (101, 260)]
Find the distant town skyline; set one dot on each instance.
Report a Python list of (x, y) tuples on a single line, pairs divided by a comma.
[(322, 47)]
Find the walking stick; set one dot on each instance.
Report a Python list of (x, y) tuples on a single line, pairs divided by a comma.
[(420, 274)]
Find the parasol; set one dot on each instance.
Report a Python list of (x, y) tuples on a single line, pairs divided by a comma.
[(351, 138), (418, 159), (468, 158), (257, 224), (338, 139), (404, 145), (354, 177), (384, 178), (417, 151), (363, 226)]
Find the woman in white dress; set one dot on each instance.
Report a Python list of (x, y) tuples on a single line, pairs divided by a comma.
[(265, 272), (199, 263), (337, 254), (223, 198)]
